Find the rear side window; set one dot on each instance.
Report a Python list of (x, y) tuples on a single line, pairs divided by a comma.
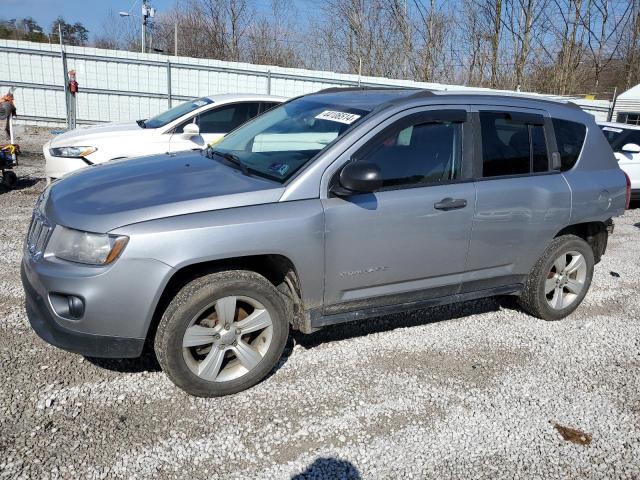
[(569, 138), (511, 147)]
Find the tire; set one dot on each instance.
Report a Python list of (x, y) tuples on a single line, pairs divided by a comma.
[(9, 179), (200, 314), (569, 287)]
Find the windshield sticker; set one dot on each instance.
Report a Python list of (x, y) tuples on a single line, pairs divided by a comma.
[(280, 168), (611, 129), (199, 103), (341, 117)]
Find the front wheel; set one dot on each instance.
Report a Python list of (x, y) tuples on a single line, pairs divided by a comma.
[(222, 333), (560, 279)]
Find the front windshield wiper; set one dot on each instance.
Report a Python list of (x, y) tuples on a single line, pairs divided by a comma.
[(141, 123), (231, 158)]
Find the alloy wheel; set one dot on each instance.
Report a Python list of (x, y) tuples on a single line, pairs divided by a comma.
[(227, 339), (565, 280)]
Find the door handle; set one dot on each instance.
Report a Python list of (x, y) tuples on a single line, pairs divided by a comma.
[(450, 204)]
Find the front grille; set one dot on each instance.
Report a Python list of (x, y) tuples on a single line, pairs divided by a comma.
[(38, 235)]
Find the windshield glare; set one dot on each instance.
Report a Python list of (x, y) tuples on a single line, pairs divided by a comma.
[(277, 144), (176, 112)]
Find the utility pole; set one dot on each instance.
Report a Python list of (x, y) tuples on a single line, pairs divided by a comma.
[(144, 23), (147, 11), (175, 39)]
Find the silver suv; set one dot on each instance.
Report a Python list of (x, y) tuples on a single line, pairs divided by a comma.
[(336, 206)]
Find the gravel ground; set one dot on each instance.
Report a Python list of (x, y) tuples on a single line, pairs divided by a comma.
[(474, 390)]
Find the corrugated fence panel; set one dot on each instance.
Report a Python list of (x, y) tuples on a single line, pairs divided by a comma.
[(118, 86)]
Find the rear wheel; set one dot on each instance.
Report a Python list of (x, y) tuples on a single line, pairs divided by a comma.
[(560, 279), (222, 333)]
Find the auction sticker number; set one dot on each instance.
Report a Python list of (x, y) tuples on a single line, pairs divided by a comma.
[(341, 117)]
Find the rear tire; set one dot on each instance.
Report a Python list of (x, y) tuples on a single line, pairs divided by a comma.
[(559, 280), (222, 333)]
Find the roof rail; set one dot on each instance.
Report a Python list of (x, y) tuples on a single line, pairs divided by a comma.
[(341, 89), (422, 93), (361, 88)]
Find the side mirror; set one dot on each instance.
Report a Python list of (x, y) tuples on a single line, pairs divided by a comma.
[(631, 148), (191, 130), (360, 177)]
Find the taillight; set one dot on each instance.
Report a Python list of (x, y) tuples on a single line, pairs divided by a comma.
[(628, 202)]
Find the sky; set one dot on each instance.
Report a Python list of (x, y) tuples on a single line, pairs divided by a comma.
[(91, 13)]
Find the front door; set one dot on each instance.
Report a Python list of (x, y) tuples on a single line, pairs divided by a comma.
[(409, 240)]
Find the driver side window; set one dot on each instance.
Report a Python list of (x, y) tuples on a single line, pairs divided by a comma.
[(419, 153)]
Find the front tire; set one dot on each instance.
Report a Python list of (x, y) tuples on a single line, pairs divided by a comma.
[(559, 280), (222, 333)]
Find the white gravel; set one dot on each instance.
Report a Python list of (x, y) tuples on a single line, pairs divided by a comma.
[(473, 390)]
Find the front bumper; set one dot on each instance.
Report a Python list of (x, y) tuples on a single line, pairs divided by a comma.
[(119, 303), (44, 324)]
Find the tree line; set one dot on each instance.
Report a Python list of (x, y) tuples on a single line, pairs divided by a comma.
[(28, 29), (567, 47)]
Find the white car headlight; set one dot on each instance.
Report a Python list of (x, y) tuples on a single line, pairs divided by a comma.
[(72, 152), (85, 247)]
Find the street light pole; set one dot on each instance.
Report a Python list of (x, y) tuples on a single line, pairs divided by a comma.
[(144, 23)]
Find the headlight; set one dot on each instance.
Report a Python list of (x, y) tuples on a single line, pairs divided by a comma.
[(84, 247), (72, 152)]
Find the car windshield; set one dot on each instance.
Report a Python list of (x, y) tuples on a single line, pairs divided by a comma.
[(619, 137), (280, 142), (174, 113)]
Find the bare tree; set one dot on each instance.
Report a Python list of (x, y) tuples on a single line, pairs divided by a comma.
[(523, 20), (560, 46), (632, 47)]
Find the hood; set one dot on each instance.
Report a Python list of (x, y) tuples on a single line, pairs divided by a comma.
[(80, 136), (103, 197)]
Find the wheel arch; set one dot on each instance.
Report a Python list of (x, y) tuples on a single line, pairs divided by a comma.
[(595, 233), (279, 270)]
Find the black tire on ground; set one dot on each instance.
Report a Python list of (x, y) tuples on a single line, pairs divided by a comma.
[(9, 179), (533, 299), (195, 296)]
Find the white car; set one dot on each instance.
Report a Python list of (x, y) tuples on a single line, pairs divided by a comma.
[(190, 125), (625, 142)]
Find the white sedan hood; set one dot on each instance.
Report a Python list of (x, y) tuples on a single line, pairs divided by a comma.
[(87, 136)]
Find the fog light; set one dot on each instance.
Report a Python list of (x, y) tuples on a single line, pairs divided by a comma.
[(67, 306), (76, 307)]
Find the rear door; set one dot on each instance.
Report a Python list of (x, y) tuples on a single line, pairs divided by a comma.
[(214, 124), (407, 241), (521, 202)]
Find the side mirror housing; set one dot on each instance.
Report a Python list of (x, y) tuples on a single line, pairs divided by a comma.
[(631, 148), (360, 177), (191, 130)]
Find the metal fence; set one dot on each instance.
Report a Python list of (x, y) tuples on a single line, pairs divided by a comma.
[(117, 85)]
